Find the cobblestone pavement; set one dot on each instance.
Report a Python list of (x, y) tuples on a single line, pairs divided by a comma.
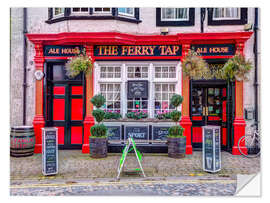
[(75, 165), (177, 186)]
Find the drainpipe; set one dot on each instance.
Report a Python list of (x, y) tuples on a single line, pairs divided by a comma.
[(202, 19), (255, 51), (24, 63)]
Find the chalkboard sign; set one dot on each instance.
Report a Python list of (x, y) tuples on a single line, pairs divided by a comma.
[(211, 148), (49, 151), (137, 89), (160, 133), (136, 132), (114, 132)]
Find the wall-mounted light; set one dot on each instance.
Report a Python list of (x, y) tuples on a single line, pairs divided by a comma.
[(164, 31), (248, 27)]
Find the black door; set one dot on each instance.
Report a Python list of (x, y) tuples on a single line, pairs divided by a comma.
[(65, 106), (208, 107)]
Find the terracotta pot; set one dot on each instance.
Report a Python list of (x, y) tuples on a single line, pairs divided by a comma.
[(98, 147), (176, 147)]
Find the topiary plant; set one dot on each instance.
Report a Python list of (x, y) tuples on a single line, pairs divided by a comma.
[(98, 130), (177, 130), (98, 114), (176, 100), (98, 100)]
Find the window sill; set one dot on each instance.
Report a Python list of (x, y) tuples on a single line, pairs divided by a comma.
[(93, 17)]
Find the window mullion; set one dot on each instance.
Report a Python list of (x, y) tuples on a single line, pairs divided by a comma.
[(151, 103), (123, 94)]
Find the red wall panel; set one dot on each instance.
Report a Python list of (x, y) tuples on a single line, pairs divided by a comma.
[(76, 135), (76, 90), (76, 109), (196, 134), (58, 109), (58, 90)]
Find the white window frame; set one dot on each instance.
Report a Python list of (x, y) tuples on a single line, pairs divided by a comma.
[(102, 12), (79, 12), (174, 19), (127, 14), (58, 15), (227, 18), (151, 80)]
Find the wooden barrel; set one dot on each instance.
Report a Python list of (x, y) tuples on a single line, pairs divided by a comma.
[(22, 141), (176, 147), (98, 147)]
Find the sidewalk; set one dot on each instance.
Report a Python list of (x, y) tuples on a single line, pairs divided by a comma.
[(75, 165)]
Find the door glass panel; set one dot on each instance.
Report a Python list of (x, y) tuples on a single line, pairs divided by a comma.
[(214, 102), (197, 97)]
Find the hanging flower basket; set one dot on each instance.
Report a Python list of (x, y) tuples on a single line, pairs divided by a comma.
[(195, 67), (236, 68), (78, 64)]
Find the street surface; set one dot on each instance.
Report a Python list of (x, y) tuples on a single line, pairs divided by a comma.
[(180, 186)]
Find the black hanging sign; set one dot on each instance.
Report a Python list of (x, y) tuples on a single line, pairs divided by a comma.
[(160, 133), (65, 50), (114, 132), (137, 89), (211, 148), (214, 49), (49, 151), (136, 132)]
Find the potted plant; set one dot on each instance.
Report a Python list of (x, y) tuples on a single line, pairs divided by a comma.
[(176, 141), (195, 67), (98, 138), (110, 114), (236, 68)]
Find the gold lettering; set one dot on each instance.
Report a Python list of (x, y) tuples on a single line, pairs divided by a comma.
[(152, 50), (162, 50), (114, 50), (138, 50), (124, 50), (175, 49)]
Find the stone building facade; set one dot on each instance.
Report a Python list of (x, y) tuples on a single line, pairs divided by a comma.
[(137, 22)]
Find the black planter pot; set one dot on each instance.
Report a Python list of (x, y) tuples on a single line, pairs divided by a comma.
[(176, 147), (98, 147)]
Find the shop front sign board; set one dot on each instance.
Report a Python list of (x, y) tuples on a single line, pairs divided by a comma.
[(137, 89), (49, 151), (214, 49), (137, 50), (160, 133), (211, 149), (62, 51), (114, 132), (137, 132)]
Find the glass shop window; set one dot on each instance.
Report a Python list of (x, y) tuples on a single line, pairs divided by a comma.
[(111, 92), (163, 94), (165, 72), (110, 72), (197, 99), (135, 104), (59, 73), (137, 72)]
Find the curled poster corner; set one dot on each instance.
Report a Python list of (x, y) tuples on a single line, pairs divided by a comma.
[(248, 185)]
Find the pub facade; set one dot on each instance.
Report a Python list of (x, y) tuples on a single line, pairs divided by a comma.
[(138, 72)]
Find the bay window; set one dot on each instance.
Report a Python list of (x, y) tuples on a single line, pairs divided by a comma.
[(155, 82), (126, 12), (227, 16)]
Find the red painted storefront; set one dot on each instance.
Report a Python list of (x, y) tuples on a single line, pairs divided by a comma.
[(89, 40)]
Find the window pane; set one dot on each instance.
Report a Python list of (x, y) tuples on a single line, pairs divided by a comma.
[(106, 9), (130, 75), (84, 9), (76, 9), (117, 69), (157, 87), (130, 69), (97, 9), (110, 87), (102, 87), (164, 88)]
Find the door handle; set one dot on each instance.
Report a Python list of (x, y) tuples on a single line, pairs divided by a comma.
[(206, 109), (203, 111)]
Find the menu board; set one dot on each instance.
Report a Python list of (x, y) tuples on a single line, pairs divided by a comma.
[(160, 133), (114, 132), (136, 132), (49, 151), (211, 148), (208, 149), (217, 149), (137, 89)]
